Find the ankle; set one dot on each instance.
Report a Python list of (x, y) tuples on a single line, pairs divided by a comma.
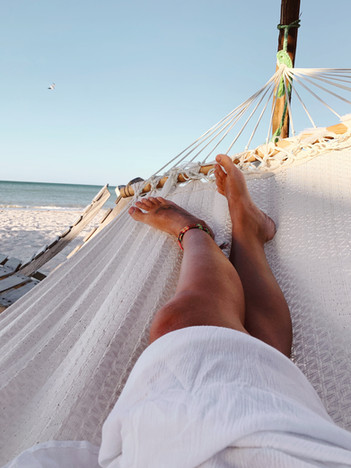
[(250, 224), (244, 223)]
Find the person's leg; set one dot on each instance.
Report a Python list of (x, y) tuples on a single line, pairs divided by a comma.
[(267, 315), (209, 291)]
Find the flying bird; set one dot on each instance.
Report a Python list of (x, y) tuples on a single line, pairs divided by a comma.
[(52, 86)]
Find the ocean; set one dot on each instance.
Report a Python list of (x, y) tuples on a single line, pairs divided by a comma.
[(44, 196)]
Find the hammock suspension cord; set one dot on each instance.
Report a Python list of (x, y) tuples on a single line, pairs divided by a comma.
[(307, 84)]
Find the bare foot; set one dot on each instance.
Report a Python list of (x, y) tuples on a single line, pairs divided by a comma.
[(164, 215), (247, 218)]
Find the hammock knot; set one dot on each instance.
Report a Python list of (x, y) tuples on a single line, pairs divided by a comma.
[(294, 24), (193, 172), (171, 182), (286, 27), (138, 189)]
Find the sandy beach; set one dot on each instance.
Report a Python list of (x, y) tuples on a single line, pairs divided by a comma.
[(24, 232)]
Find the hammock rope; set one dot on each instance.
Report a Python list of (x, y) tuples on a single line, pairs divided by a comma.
[(297, 80)]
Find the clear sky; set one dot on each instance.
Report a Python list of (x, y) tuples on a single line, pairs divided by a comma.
[(137, 80)]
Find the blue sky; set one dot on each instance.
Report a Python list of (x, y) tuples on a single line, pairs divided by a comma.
[(137, 81)]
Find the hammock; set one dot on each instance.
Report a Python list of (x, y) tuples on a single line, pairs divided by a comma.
[(67, 347)]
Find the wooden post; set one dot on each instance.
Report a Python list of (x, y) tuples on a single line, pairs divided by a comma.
[(290, 10)]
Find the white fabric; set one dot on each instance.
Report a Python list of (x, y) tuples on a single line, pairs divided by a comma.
[(58, 454), (67, 347), (209, 396)]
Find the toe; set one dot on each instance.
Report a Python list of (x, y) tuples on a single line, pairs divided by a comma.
[(144, 204), (220, 179), (135, 213), (148, 202), (152, 200), (161, 200), (219, 173), (225, 162)]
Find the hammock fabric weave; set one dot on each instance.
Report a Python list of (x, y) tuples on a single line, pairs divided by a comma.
[(67, 347)]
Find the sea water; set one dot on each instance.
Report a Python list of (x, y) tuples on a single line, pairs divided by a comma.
[(43, 196)]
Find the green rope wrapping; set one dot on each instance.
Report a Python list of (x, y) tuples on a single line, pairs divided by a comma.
[(284, 58), (294, 24)]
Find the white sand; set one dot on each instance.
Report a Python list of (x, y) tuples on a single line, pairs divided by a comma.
[(25, 232)]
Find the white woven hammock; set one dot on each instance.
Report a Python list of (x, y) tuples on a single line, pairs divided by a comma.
[(67, 347)]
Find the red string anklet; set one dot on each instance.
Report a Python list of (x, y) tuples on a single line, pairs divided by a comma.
[(192, 226)]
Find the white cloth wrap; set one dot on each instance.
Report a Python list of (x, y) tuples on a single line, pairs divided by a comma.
[(58, 454), (208, 397), (213, 396)]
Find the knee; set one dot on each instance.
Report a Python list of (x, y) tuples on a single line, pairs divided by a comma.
[(182, 311)]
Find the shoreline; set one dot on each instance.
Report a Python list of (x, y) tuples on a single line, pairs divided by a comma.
[(42, 208), (24, 231)]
